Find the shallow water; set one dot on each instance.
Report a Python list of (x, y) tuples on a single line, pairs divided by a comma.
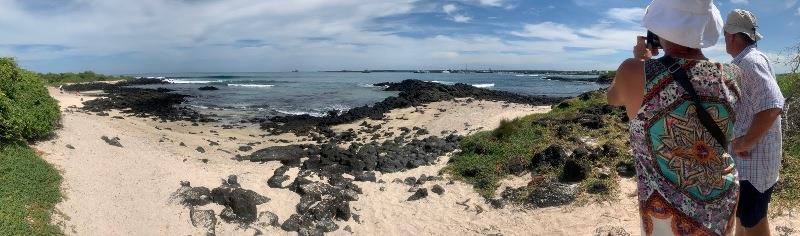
[(246, 95)]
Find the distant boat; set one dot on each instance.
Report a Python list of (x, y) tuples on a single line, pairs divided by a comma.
[(295, 71), (445, 72), (366, 71)]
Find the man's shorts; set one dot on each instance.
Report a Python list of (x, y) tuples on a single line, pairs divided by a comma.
[(752, 204)]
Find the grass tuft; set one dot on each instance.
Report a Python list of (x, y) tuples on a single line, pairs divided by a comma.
[(29, 189), (485, 156)]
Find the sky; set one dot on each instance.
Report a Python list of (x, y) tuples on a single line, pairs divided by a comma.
[(162, 36)]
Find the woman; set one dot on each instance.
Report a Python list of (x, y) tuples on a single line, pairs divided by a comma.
[(686, 181)]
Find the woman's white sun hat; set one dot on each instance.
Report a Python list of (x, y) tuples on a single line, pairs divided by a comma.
[(690, 23)]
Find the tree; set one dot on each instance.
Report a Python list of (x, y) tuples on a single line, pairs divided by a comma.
[(791, 58)]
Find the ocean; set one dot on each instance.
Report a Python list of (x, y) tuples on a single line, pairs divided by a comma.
[(248, 95)]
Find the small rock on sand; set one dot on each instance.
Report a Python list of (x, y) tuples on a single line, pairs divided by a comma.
[(420, 194), (111, 141), (204, 219), (267, 218), (437, 189), (70, 146), (200, 150), (611, 231)]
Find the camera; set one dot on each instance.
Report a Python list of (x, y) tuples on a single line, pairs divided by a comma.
[(652, 40)]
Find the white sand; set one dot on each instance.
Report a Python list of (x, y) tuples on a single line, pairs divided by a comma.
[(125, 191)]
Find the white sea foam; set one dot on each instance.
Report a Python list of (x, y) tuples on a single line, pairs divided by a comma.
[(483, 85), (175, 81), (297, 113), (442, 82), (252, 85)]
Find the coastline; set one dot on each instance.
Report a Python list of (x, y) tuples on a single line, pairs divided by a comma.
[(113, 190)]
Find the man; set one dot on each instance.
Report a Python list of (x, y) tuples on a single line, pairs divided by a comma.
[(758, 146)]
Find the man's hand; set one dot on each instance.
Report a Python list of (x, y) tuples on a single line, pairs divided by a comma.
[(743, 145), (641, 51)]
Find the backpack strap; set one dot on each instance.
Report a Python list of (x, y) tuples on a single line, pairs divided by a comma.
[(682, 78)]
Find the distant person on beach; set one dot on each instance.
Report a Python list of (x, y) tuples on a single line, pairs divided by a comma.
[(681, 110), (758, 145)]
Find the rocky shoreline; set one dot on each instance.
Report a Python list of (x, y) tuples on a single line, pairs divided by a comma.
[(412, 93), (327, 169)]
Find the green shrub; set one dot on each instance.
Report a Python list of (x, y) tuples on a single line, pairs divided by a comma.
[(486, 155), (82, 77), (29, 190), (26, 109)]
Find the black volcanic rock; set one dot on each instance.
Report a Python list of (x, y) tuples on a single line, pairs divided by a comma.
[(159, 103), (574, 171), (208, 88), (277, 153), (242, 203), (554, 155), (551, 193), (111, 141), (420, 194), (412, 93)]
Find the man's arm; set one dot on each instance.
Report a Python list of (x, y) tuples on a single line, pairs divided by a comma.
[(768, 100), (762, 122)]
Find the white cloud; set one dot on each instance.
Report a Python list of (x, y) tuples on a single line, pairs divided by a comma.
[(452, 11), (461, 18), (596, 38), (741, 2), (632, 15), (494, 3), (548, 31), (798, 11), (449, 8)]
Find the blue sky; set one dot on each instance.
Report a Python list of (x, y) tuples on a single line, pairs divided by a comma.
[(154, 36)]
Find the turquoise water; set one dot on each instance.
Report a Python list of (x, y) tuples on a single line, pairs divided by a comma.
[(244, 95)]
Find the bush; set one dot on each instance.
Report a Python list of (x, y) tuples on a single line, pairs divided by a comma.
[(82, 77), (26, 109)]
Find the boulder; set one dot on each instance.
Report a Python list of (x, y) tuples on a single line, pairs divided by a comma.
[(551, 193), (291, 153), (554, 155), (574, 171), (420, 194), (242, 203)]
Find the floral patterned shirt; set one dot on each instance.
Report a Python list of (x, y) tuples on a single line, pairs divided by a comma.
[(687, 183)]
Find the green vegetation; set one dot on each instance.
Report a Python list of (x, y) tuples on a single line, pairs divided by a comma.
[(26, 109), (82, 77), (486, 155), (607, 77), (29, 187), (787, 195)]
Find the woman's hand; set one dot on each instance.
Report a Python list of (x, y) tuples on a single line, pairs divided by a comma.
[(641, 51)]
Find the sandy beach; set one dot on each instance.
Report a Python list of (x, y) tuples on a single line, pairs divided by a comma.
[(126, 190)]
